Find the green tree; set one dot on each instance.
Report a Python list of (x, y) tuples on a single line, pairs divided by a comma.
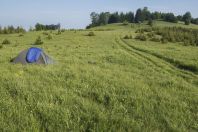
[(129, 17), (139, 16), (104, 18), (180, 18), (122, 17), (146, 14), (114, 18), (194, 20), (170, 17), (156, 15), (150, 22), (38, 27), (94, 18), (187, 18)]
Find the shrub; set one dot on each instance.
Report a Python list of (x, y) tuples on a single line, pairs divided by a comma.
[(196, 41), (91, 34), (62, 30), (187, 22), (172, 34), (155, 39), (6, 41), (45, 33), (147, 29), (59, 32), (128, 37), (49, 37), (150, 22), (186, 42), (151, 35), (1, 46), (141, 37), (38, 41), (139, 31), (164, 40), (21, 35), (125, 23), (143, 30)]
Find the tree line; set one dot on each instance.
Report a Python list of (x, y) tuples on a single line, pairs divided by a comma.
[(40, 27), (141, 15), (11, 30)]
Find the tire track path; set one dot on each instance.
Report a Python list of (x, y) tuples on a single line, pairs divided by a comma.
[(159, 64)]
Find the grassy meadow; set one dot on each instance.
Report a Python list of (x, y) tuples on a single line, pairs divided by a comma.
[(100, 83)]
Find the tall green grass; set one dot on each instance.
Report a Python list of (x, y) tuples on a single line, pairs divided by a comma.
[(99, 83)]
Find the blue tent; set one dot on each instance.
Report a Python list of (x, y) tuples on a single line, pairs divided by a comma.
[(33, 55)]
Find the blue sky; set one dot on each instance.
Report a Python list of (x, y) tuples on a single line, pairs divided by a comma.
[(75, 13)]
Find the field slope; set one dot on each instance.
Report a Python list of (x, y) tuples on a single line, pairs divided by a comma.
[(99, 83)]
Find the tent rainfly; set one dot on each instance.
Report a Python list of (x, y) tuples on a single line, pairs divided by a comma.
[(32, 56)]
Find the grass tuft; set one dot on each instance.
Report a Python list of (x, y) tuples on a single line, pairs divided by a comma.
[(38, 41), (6, 42)]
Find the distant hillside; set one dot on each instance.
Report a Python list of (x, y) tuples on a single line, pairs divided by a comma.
[(120, 26), (141, 15)]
